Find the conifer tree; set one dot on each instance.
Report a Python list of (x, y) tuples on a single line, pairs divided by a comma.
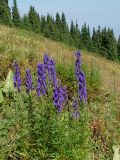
[(43, 24), (73, 33), (5, 16), (96, 40), (64, 30), (25, 22), (58, 25), (118, 48), (15, 15), (78, 39), (86, 38), (50, 29), (34, 20), (109, 45)]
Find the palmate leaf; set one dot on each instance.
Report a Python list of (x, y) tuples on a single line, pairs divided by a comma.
[(9, 84), (1, 96)]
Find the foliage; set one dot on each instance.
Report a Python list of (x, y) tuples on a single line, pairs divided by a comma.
[(118, 47), (5, 17), (15, 15), (34, 20)]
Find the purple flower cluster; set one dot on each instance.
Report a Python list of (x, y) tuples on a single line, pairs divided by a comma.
[(41, 86), (16, 78), (60, 96), (80, 76), (29, 86), (50, 67)]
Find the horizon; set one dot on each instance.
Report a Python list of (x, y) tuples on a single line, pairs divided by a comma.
[(94, 14)]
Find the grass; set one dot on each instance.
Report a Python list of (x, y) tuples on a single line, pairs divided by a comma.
[(89, 138)]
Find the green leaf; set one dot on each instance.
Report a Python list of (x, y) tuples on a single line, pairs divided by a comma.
[(9, 84), (1, 97)]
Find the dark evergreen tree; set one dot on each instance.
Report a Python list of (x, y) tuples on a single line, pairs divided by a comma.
[(73, 33), (58, 27), (25, 22), (108, 45), (5, 16), (90, 46), (77, 38), (43, 24), (15, 15), (118, 48), (96, 40), (65, 36), (86, 38), (50, 27), (34, 20)]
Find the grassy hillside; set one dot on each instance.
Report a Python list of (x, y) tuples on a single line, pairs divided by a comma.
[(20, 44), (97, 131)]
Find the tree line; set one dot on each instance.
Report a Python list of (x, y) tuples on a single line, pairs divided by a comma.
[(102, 40)]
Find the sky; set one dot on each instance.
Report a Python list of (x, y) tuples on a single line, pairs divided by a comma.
[(93, 12)]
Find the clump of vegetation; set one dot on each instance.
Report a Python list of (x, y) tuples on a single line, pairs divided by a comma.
[(43, 125), (42, 119)]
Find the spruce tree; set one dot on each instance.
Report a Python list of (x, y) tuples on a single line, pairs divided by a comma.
[(108, 45), (43, 24), (86, 38), (73, 33), (64, 30), (15, 15), (118, 48), (5, 16), (58, 27), (50, 27), (25, 22), (34, 20), (96, 40)]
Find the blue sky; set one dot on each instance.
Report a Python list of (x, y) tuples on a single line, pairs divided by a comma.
[(93, 12)]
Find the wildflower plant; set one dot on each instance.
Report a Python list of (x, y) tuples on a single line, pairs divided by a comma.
[(29, 86), (80, 76), (41, 84), (60, 97), (16, 78)]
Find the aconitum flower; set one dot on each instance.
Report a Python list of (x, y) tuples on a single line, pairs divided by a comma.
[(41, 86), (60, 97), (29, 86), (80, 76), (78, 64), (46, 60), (52, 72), (16, 78), (82, 87), (50, 67)]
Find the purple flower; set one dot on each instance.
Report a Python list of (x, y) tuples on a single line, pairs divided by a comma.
[(52, 72), (80, 76), (60, 96), (78, 64), (46, 60), (29, 86), (50, 67), (41, 86), (16, 78)]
